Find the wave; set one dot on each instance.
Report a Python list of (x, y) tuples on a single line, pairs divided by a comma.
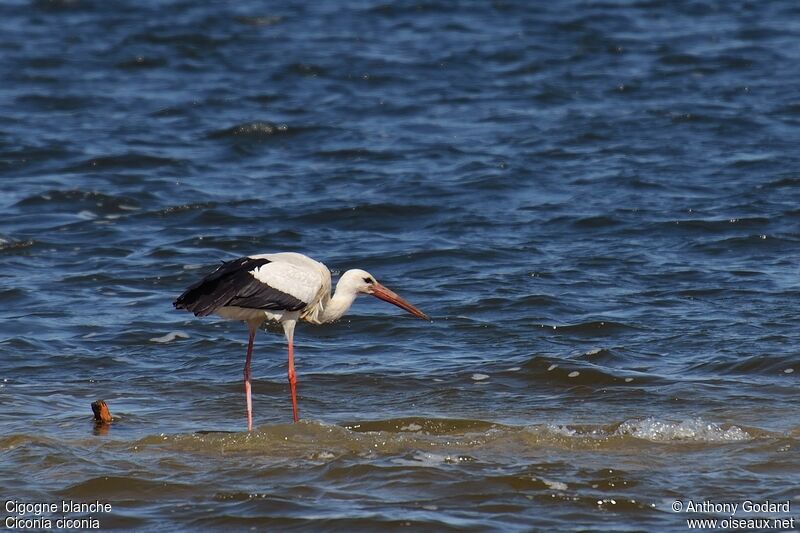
[(258, 129), (761, 242), (450, 439), (592, 327), (357, 154), (127, 161), (763, 364), (584, 370), (55, 102), (372, 211), (73, 200), (12, 245), (720, 224), (124, 487)]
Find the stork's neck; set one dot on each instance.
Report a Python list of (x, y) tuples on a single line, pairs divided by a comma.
[(339, 303)]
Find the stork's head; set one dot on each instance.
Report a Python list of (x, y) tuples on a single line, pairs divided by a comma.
[(361, 281)]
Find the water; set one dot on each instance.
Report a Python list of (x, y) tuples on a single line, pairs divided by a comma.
[(597, 204)]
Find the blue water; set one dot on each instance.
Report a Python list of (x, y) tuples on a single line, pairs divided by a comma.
[(595, 202)]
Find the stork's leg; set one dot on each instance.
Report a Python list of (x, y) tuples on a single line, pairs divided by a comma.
[(288, 328), (247, 391)]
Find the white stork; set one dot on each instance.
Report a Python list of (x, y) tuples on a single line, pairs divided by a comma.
[(283, 287)]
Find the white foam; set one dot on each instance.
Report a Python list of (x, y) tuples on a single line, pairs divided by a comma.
[(555, 485), (424, 459), (573, 374), (561, 430), (694, 429), (480, 377), (171, 336), (322, 456)]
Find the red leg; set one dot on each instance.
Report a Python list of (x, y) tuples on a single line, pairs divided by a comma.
[(247, 391), (292, 379)]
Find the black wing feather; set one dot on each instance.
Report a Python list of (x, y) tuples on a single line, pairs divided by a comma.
[(232, 284)]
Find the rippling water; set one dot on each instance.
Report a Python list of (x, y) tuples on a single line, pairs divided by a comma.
[(597, 204)]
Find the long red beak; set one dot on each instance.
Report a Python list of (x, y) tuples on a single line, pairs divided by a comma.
[(381, 292)]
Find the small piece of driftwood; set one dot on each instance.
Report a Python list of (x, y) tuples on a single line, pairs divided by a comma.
[(101, 413)]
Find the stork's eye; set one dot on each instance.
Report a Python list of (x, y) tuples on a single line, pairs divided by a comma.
[(369, 280)]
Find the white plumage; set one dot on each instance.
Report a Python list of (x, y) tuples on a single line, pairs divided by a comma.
[(300, 276)]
